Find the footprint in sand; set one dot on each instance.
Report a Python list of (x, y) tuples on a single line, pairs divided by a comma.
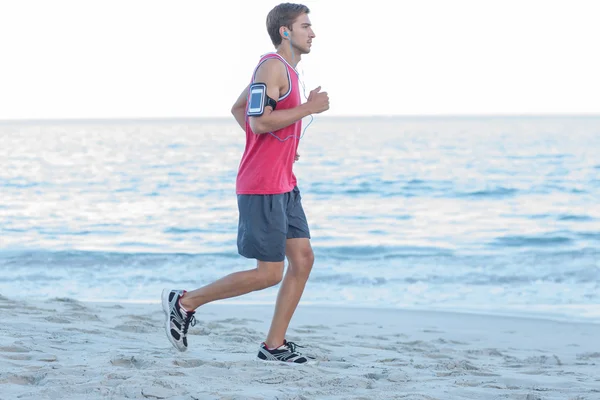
[(47, 358), (213, 326), (484, 352), (237, 321), (142, 318), (333, 344), (17, 357), (351, 324), (303, 331), (72, 303), (588, 356), (241, 337), (369, 337), (85, 316), (434, 330), (135, 328), (137, 324), (157, 392), (116, 306), (452, 368), (189, 363), (86, 331), (240, 330), (389, 360), (360, 355), (57, 320), (326, 362), (438, 356), (444, 341), (130, 362), (376, 376), (16, 353), (414, 343), (14, 349), (544, 360), (219, 364), (24, 379), (316, 327)]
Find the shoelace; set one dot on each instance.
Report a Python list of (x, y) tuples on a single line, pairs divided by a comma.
[(189, 320), (292, 346)]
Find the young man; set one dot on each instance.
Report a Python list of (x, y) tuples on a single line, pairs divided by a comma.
[(272, 223)]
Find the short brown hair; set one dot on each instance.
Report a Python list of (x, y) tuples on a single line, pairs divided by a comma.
[(283, 15)]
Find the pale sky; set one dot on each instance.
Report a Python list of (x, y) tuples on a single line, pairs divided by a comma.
[(163, 59)]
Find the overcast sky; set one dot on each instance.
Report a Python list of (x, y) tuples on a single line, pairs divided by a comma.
[(133, 58)]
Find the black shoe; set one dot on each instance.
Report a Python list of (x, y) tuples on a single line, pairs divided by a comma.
[(177, 320), (286, 353)]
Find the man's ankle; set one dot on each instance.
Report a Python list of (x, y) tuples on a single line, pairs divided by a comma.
[(184, 302), (271, 345)]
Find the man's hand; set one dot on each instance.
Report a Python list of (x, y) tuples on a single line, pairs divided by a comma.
[(318, 101), (296, 157)]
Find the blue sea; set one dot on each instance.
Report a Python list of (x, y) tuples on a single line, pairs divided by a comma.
[(494, 215)]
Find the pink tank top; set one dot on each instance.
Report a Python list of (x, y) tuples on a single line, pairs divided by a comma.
[(266, 165)]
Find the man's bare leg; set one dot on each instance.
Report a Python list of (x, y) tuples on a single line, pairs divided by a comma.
[(301, 258), (265, 275)]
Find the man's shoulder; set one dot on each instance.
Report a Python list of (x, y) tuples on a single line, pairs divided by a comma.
[(272, 67), (272, 63), (269, 56)]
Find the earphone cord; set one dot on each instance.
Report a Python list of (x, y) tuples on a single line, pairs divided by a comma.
[(305, 98)]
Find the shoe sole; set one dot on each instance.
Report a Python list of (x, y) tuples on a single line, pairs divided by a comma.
[(277, 362), (167, 311)]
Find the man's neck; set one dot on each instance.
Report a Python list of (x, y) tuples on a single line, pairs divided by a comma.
[(285, 51)]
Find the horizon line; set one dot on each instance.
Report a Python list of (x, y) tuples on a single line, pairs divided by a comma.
[(338, 116)]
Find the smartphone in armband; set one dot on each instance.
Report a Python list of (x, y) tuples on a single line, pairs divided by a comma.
[(259, 100)]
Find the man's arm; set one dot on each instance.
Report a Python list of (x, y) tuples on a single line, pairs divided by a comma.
[(273, 74), (239, 108)]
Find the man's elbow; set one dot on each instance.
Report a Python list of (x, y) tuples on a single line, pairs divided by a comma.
[(258, 126)]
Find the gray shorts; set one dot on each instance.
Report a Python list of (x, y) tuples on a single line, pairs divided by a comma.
[(267, 221)]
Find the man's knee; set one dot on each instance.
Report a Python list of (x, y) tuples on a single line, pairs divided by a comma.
[(302, 262), (307, 258), (269, 274)]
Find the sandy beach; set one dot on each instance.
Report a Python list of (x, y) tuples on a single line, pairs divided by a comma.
[(64, 349)]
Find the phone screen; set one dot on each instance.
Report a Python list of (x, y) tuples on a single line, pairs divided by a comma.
[(256, 99)]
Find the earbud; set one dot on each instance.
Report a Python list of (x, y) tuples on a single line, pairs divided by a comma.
[(286, 34)]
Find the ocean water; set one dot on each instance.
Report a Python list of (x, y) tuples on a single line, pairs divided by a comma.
[(493, 215)]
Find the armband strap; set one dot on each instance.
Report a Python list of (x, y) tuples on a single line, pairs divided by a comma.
[(271, 102)]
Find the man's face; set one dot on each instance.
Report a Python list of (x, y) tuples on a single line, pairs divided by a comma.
[(302, 34)]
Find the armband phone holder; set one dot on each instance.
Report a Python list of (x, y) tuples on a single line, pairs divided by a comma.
[(259, 100)]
